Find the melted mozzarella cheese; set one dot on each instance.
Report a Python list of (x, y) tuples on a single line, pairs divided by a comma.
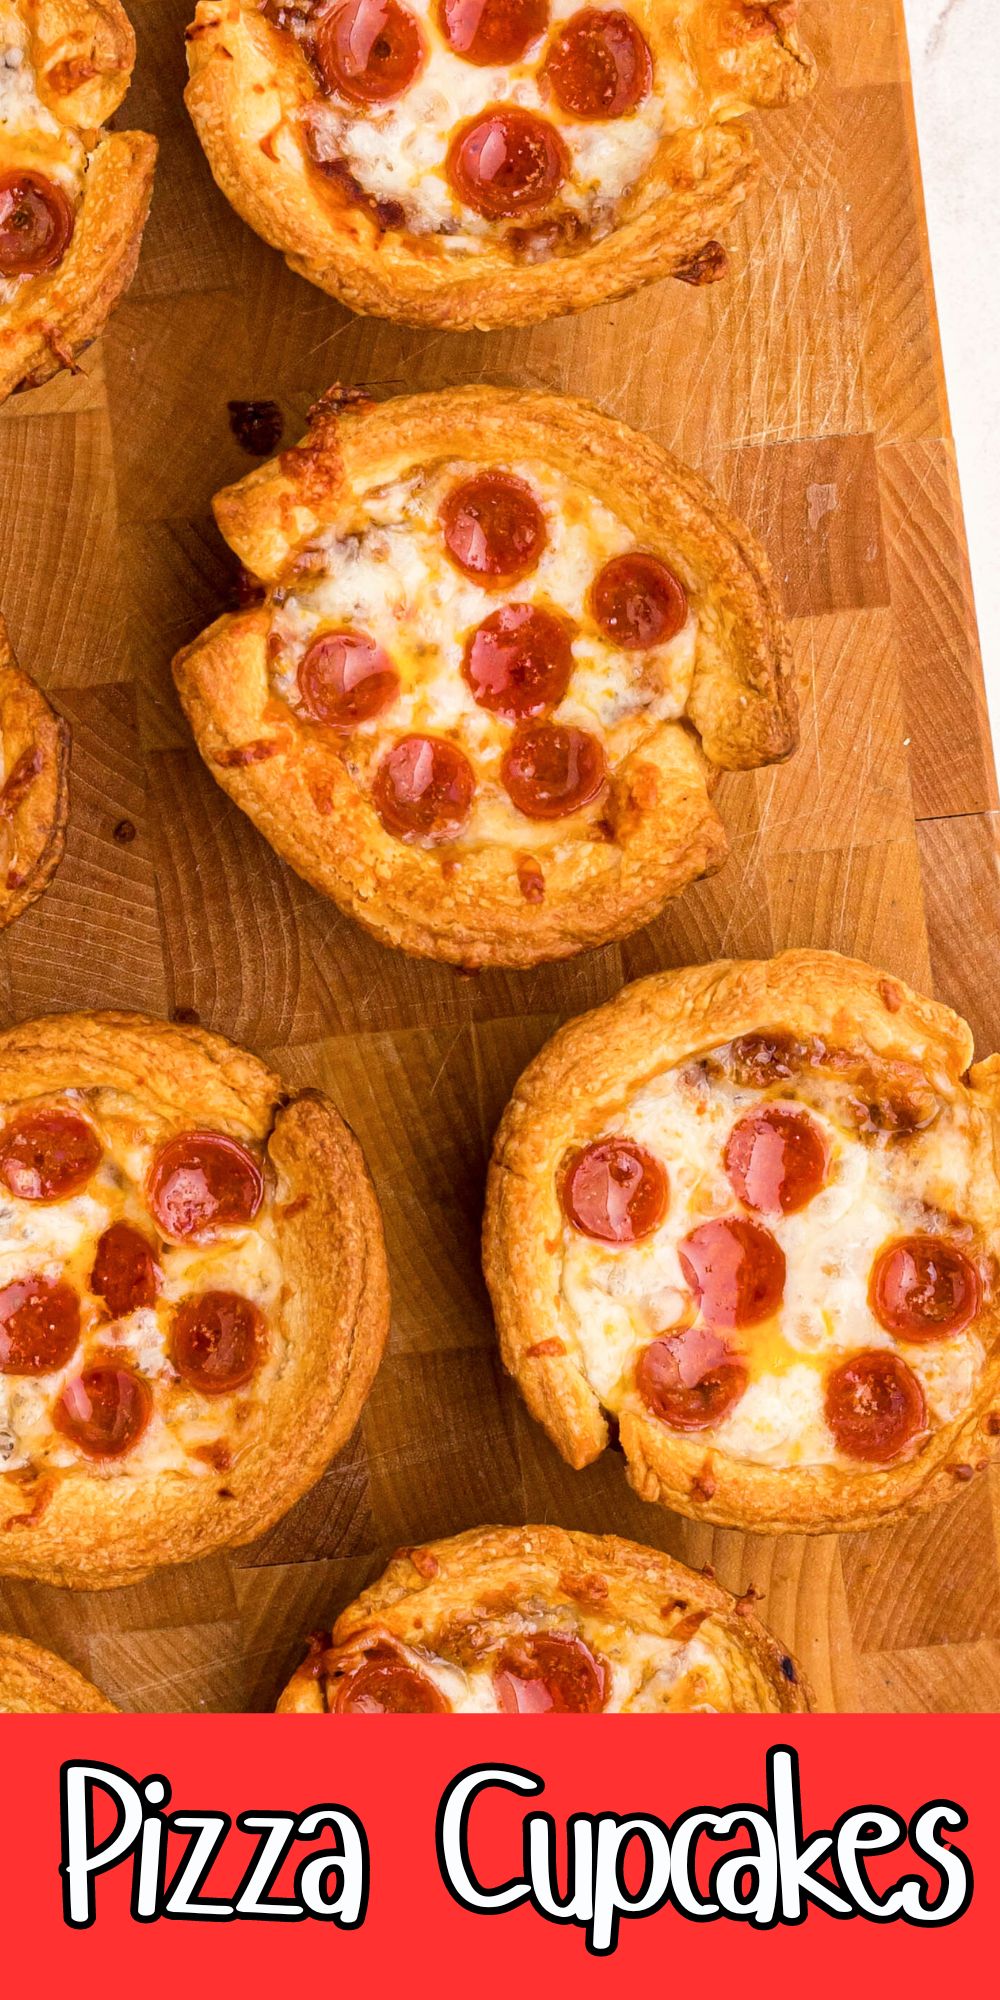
[(617, 1299), (397, 151), (394, 581), (58, 1240)]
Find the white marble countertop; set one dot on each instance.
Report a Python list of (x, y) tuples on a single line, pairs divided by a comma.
[(953, 42)]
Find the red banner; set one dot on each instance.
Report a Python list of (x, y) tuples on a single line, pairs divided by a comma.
[(510, 1858)]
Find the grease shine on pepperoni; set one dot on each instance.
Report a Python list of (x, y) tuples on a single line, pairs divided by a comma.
[(507, 162), (924, 1289), (48, 1155), (548, 1673), (690, 1380), (202, 1181), (776, 1159), (615, 1191), (494, 528), (104, 1411), (386, 1684), (492, 31), (36, 224), (599, 65), (125, 1274), (638, 602), (39, 1325), (518, 662), (551, 771), (369, 50), (423, 790), (216, 1342), (345, 678), (875, 1406), (735, 1269)]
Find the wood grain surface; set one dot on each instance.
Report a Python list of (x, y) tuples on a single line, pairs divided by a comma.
[(809, 387)]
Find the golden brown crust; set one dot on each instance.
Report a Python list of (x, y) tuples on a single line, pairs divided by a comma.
[(247, 78), (589, 1067), (294, 785), (456, 1595), (92, 1532), (83, 52), (34, 787), (36, 1682)]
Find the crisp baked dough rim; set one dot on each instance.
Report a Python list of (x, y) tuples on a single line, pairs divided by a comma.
[(538, 1560), (96, 1532), (54, 316), (34, 1681), (742, 711), (245, 76), (38, 820), (651, 1024)]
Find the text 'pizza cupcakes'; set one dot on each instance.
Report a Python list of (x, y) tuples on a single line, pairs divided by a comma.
[(751, 1213), (36, 1682), (73, 199), (488, 162), (503, 647), (34, 787), (193, 1296), (537, 1621)]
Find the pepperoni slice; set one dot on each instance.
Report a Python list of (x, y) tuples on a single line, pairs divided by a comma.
[(599, 65), (776, 1159), (492, 31), (493, 527), (638, 602), (216, 1342), (48, 1155), (125, 1274), (875, 1405), (506, 162), (924, 1289), (546, 1673), (386, 1684), (39, 1325), (735, 1269), (104, 1411), (518, 662), (201, 1182), (36, 224), (423, 790), (551, 771), (616, 1191), (369, 50), (345, 678), (690, 1380)]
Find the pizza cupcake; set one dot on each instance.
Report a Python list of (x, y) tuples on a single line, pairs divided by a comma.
[(36, 1682), (193, 1296), (34, 787), (466, 163), (745, 1219), (503, 646), (73, 198), (538, 1621)]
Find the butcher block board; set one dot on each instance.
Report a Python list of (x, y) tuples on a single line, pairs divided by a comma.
[(809, 388)]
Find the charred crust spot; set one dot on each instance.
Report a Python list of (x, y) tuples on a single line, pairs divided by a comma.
[(993, 1424), (706, 267), (787, 1666)]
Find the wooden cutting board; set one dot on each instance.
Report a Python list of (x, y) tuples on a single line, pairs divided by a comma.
[(809, 388)]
